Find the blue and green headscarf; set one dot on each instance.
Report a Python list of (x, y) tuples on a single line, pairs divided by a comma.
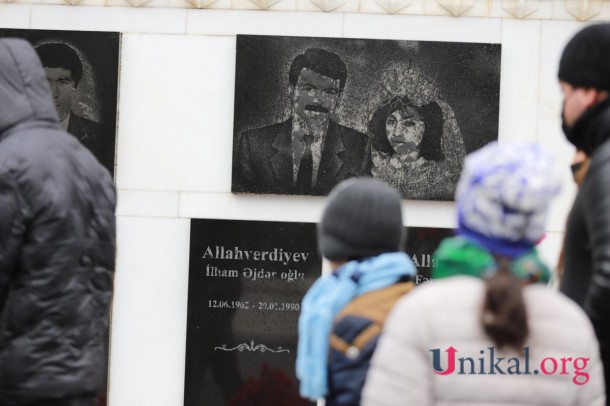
[(462, 256)]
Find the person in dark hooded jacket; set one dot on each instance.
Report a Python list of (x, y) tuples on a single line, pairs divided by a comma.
[(57, 246)]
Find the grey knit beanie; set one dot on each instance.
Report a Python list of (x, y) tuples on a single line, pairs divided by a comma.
[(362, 218)]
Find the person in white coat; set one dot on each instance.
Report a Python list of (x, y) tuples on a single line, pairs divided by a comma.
[(486, 330)]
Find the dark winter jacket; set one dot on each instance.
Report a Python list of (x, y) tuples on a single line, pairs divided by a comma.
[(57, 244), (586, 277)]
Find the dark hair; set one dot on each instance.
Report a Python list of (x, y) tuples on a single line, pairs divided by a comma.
[(320, 61), (504, 316), (56, 55), (431, 114)]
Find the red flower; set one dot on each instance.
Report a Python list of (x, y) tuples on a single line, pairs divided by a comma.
[(274, 388)]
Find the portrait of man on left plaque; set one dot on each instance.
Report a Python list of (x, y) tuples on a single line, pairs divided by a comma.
[(82, 68)]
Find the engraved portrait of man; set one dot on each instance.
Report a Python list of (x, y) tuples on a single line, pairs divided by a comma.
[(82, 71), (310, 152), (64, 71)]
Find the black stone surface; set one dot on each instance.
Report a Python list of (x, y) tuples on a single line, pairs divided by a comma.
[(248, 317), (467, 76), (420, 245), (237, 323), (95, 97)]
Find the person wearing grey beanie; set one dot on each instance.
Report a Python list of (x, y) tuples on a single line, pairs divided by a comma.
[(362, 235), (363, 218), (584, 76)]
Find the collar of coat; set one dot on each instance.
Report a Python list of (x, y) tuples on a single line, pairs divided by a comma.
[(592, 129)]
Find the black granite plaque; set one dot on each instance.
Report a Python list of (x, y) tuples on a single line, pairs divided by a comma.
[(421, 244), (246, 283), (422, 104), (83, 72)]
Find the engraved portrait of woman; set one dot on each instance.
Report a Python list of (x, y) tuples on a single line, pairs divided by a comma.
[(416, 142)]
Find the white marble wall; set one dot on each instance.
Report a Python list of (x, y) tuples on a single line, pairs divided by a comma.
[(175, 141)]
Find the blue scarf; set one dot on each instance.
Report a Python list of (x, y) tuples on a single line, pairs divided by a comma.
[(325, 299)]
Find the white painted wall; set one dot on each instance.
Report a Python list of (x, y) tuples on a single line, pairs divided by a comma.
[(175, 142)]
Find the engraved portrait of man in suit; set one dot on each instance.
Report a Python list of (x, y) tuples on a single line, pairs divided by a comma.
[(82, 68), (310, 152), (64, 71)]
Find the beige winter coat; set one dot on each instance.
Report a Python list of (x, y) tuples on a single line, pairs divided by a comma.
[(445, 313)]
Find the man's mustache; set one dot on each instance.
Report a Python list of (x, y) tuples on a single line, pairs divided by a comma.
[(316, 108)]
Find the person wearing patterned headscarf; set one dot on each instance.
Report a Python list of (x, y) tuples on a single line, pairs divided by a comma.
[(486, 329)]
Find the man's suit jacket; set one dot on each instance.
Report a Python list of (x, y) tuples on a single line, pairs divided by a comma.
[(263, 160), (92, 136)]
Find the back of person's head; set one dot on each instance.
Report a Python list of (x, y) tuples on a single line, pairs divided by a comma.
[(362, 218), (320, 61), (585, 61), (57, 55), (24, 89), (503, 196), (502, 200)]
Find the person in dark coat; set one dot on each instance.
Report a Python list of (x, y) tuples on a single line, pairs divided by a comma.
[(584, 76), (309, 153), (57, 246)]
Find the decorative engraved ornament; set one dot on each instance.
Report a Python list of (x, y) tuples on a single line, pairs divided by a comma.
[(250, 347), (393, 6), (73, 2), (137, 3), (328, 5), (264, 4), (520, 8), (202, 3), (456, 7), (583, 9)]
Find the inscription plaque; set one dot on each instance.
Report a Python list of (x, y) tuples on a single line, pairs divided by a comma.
[(246, 283)]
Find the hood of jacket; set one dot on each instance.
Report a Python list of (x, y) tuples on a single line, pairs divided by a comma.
[(25, 95)]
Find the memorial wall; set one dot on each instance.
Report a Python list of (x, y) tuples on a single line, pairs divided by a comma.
[(191, 108)]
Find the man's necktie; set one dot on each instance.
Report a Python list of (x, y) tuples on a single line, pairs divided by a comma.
[(305, 174)]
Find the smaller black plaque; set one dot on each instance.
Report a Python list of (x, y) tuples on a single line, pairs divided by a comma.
[(246, 283), (82, 68), (421, 244)]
